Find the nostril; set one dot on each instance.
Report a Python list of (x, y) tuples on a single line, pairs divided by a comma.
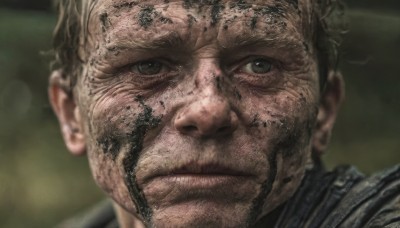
[(224, 129), (190, 128)]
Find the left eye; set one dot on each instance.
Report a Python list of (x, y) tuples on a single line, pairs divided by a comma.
[(258, 66), (150, 67)]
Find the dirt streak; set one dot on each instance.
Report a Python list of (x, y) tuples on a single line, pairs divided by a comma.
[(144, 122)]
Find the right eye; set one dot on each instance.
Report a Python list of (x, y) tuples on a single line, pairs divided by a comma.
[(149, 68)]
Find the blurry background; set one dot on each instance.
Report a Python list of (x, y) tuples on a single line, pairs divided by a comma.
[(40, 183)]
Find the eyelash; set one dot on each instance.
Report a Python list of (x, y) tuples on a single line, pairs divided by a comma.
[(275, 65), (168, 67)]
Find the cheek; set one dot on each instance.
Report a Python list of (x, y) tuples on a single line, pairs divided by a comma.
[(290, 173), (285, 122), (110, 178), (109, 123)]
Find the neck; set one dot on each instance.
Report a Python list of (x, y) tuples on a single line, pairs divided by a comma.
[(126, 219)]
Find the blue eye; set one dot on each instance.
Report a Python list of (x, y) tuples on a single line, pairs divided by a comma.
[(150, 67), (258, 66)]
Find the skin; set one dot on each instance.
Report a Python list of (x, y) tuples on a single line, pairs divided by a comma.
[(218, 130)]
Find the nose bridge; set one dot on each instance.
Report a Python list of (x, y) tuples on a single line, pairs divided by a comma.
[(208, 76), (210, 112)]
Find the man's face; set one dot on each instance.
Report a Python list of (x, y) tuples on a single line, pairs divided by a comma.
[(199, 113)]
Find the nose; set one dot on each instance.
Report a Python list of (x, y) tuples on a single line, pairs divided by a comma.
[(207, 117)]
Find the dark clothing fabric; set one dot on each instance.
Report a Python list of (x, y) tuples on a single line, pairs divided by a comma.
[(343, 198)]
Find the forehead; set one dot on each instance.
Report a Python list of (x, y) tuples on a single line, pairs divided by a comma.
[(239, 20)]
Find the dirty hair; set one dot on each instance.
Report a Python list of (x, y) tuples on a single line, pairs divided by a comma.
[(70, 36)]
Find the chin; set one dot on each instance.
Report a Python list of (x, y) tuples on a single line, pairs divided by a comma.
[(201, 213)]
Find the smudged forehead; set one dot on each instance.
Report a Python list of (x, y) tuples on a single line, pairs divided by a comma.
[(121, 20)]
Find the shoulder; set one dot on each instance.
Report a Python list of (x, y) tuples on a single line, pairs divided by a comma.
[(345, 198), (99, 216), (373, 202)]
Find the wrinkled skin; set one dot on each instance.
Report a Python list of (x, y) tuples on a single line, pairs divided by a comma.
[(202, 138)]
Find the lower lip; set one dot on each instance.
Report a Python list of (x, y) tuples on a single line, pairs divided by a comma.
[(184, 188)]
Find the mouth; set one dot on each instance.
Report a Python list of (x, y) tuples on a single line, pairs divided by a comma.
[(207, 170), (200, 176)]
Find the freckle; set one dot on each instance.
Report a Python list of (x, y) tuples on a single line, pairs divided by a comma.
[(205, 29), (162, 104), (265, 124), (128, 107), (225, 27)]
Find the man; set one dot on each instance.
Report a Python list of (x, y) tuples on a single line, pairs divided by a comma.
[(210, 113)]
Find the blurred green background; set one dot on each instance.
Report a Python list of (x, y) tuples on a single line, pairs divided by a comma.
[(40, 183)]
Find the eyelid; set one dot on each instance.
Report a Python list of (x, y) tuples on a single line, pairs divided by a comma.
[(167, 64), (276, 64)]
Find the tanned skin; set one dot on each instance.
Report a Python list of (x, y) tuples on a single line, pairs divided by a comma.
[(198, 113)]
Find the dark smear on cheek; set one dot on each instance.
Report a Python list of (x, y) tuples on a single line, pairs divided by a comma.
[(105, 21), (144, 122), (110, 145), (146, 16), (290, 140), (266, 189)]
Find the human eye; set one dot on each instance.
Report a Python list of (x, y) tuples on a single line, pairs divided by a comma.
[(257, 66), (258, 71), (149, 68)]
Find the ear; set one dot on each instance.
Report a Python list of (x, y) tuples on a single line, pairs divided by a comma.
[(67, 113), (331, 98)]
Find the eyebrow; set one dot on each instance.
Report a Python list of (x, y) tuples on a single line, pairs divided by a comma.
[(246, 40), (173, 41), (170, 40)]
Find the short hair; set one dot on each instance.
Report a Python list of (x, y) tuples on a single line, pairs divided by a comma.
[(328, 28)]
